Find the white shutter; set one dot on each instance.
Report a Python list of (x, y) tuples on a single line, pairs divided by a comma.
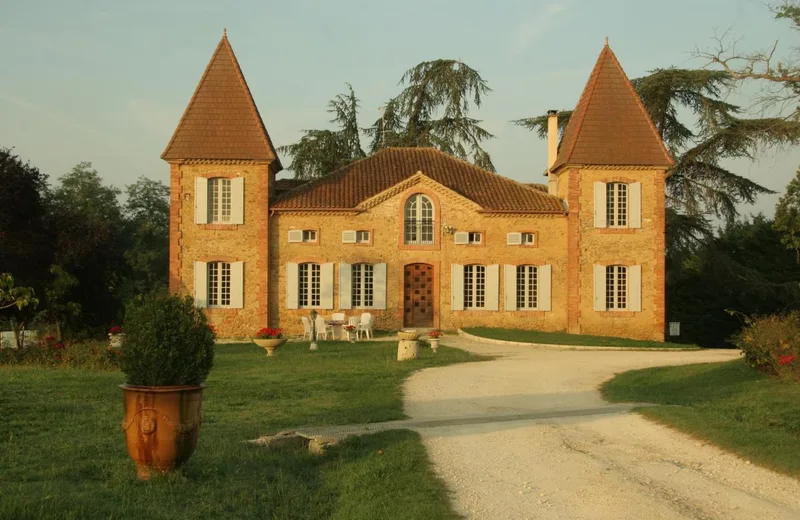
[(326, 286), (200, 200), (544, 279), (510, 286), (295, 235), (345, 286), (600, 204), (635, 204), (291, 285), (462, 237), (379, 286), (349, 237), (599, 287), (514, 239), (635, 288), (457, 287), (492, 287), (201, 284), (237, 200), (237, 285)]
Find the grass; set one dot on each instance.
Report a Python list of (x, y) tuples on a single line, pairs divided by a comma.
[(729, 404), (562, 338), (63, 453)]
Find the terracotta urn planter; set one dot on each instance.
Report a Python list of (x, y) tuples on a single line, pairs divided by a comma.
[(434, 344), (161, 426), (270, 345)]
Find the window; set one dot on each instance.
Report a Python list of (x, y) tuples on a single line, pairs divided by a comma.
[(419, 220), (309, 235), (308, 291), (528, 239), (219, 284), (527, 287), (475, 238), (362, 237), (474, 286), (363, 286), (616, 287), (616, 204), (219, 200)]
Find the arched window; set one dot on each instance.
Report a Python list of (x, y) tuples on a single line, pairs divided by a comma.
[(616, 287), (219, 200), (616, 204), (362, 276), (309, 284), (419, 220), (527, 287)]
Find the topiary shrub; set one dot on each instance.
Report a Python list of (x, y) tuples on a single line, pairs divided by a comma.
[(771, 344), (167, 342)]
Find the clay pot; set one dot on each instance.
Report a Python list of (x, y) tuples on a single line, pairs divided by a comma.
[(270, 344), (161, 426)]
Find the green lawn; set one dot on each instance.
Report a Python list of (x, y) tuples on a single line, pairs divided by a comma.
[(728, 404), (562, 338), (63, 456)]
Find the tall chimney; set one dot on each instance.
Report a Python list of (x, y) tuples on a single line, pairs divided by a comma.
[(552, 149)]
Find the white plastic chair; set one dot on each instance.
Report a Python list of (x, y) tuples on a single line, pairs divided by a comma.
[(323, 328), (365, 325), (306, 327), (338, 316)]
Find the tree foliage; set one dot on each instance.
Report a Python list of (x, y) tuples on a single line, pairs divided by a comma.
[(146, 233), (787, 216)]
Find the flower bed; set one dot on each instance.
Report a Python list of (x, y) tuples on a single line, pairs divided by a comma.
[(49, 352)]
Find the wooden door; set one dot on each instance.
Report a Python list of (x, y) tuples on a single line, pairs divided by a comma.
[(418, 295)]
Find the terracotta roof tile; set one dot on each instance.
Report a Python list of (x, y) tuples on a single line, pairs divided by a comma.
[(221, 120), (348, 187), (288, 184), (610, 125)]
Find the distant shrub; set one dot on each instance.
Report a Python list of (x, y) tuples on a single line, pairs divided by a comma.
[(93, 355), (771, 344)]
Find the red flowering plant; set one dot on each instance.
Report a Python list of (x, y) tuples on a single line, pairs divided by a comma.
[(268, 333), (435, 334), (116, 329), (350, 328)]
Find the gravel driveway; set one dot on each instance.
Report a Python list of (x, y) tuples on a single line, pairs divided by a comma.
[(580, 458)]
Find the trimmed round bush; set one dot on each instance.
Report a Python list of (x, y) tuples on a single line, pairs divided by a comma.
[(771, 344), (168, 342)]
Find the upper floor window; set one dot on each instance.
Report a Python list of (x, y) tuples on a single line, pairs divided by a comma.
[(219, 284), (419, 220), (362, 276), (309, 285), (527, 287), (362, 237), (528, 239), (616, 287), (474, 286), (219, 200), (309, 235), (616, 204)]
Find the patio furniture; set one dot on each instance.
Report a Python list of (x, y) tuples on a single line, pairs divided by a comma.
[(338, 316), (306, 327), (337, 328), (365, 325), (323, 328)]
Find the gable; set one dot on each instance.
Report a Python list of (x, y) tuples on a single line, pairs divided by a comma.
[(349, 187)]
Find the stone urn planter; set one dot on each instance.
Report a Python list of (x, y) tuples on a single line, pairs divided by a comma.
[(270, 345), (408, 348), (163, 394), (434, 344), (161, 425), (115, 337)]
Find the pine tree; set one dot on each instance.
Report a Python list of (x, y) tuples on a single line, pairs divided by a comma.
[(787, 216)]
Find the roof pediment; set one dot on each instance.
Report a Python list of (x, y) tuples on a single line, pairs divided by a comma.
[(221, 120), (351, 186), (610, 125)]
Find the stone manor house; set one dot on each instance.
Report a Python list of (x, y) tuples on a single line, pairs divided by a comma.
[(416, 237)]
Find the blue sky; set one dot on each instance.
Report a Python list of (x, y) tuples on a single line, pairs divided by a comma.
[(106, 81)]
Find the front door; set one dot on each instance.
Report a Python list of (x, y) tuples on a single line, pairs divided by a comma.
[(418, 295)]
